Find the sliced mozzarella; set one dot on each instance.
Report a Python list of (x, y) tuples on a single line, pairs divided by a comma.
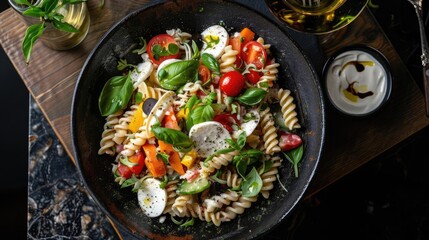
[(208, 137), (163, 64), (158, 111), (215, 39), (152, 198), (141, 73), (248, 126)]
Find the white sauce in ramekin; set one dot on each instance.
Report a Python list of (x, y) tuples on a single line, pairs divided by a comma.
[(370, 83)]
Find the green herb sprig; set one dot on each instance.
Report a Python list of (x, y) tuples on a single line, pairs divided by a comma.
[(47, 13)]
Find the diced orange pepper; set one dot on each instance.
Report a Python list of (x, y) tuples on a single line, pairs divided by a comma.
[(155, 166), (165, 147), (174, 158), (247, 35), (175, 163)]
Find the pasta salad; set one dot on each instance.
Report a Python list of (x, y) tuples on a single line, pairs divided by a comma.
[(199, 132)]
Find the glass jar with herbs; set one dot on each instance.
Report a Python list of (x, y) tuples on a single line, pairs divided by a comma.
[(60, 24)]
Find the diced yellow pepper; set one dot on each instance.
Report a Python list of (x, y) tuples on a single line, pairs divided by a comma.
[(182, 114), (137, 120), (189, 159)]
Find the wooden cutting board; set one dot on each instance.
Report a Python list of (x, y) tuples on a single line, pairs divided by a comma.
[(350, 142)]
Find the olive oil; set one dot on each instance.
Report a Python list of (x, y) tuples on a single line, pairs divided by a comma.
[(314, 7), (316, 16)]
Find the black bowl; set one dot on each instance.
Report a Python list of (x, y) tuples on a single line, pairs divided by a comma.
[(295, 73)]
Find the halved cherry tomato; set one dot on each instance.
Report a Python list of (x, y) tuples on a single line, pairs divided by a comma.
[(227, 120), (127, 171), (231, 83), (253, 76), (289, 141), (159, 50), (203, 74), (254, 53)]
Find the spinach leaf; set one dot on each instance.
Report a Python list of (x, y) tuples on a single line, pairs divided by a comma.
[(180, 141), (115, 95), (252, 184), (294, 156), (252, 96), (177, 74)]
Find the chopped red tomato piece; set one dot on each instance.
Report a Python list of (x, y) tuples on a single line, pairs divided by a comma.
[(227, 120)]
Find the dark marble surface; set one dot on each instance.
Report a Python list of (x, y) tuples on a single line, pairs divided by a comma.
[(60, 208), (58, 205)]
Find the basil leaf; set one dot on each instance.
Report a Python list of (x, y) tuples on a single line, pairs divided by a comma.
[(180, 141), (73, 1), (124, 160), (173, 48), (210, 62), (177, 74), (31, 35), (266, 166), (241, 141), (220, 151), (23, 2), (202, 113), (252, 185), (163, 156), (129, 182), (115, 95), (249, 156), (294, 156), (196, 51), (188, 223), (48, 6), (138, 98), (241, 168), (34, 12), (63, 26), (252, 96)]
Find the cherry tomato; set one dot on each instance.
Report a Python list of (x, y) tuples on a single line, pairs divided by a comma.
[(231, 83), (289, 141), (254, 53), (127, 171), (159, 48), (203, 74), (253, 76), (227, 120)]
